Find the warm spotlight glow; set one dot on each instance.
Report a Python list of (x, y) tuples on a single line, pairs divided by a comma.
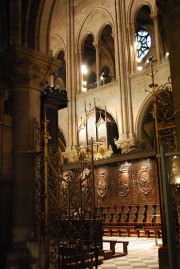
[(177, 180), (83, 89), (84, 69), (167, 53), (140, 68), (84, 83)]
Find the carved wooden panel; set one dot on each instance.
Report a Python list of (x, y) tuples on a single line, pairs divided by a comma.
[(127, 183), (104, 185), (123, 183), (146, 181)]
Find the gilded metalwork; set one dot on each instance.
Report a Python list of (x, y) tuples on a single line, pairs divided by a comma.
[(65, 215), (163, 112), (165, 117)]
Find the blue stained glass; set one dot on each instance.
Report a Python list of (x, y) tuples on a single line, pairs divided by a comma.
[(143, 43)]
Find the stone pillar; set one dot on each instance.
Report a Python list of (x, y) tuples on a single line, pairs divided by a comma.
[(96, 45), (131, 35), (123, 76), (71, 76), (119, 116), (173, 42), (79, 75), (119, 68), (157, 40), (24, 71)]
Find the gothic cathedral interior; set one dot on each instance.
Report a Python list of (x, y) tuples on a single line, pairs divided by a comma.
[(89, 129)]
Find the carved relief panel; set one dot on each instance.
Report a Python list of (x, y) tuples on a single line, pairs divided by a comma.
[(104, 185), (127, 183), (123, 178), (146, 179)]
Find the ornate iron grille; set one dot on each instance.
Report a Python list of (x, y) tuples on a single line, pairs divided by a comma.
[(165, 117), (65, 209)]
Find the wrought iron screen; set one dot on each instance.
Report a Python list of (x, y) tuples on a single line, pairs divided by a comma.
[(65, 210)]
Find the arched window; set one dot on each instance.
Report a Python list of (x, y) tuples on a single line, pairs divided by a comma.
[(107, 56), (144, 36), (95, 76), (143, 43), (105, 76), (91, 81), (88, 65)]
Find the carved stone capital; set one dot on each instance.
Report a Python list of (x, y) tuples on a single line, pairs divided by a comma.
[(25, 67)]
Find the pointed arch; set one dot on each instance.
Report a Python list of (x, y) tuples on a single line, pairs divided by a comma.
[(143, 111), (83, 30)]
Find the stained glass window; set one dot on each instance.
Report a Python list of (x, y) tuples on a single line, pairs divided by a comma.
[(143, 43)]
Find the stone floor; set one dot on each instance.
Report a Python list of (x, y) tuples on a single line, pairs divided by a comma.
[(142, 254)]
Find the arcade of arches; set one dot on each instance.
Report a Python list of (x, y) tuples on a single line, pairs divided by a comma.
[(89, 93)]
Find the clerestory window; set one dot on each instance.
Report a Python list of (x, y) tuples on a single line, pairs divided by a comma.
[(143, 43)]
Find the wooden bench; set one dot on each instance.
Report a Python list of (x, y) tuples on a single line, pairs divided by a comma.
[(113, 243), (135, 220)]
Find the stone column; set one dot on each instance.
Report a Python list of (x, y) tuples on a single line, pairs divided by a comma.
[(24, 71), (79, 75), (119, 69), (71, 76), (173, 41), (157, 40), (96, 45), (123, 76), (119, 116), (131, 35)]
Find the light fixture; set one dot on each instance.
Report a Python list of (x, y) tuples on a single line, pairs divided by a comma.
[(83, 89), (140, 68), (84, 83), (102, 76), (149, 60), (177, 180), (84, 69)]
